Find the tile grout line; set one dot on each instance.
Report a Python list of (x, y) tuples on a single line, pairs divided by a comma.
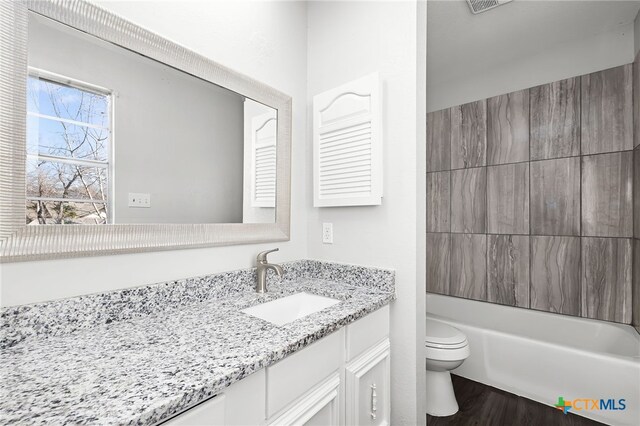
[(449, 238), (486, 201), (622, 237), (529, 242), (581, 289)]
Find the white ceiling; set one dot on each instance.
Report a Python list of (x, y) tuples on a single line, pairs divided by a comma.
[(459, 42)]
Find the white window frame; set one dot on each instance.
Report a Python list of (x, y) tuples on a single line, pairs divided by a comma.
[(108, 165)]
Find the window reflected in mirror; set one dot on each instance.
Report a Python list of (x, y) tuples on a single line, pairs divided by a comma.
[(68, 142), (114, 137)]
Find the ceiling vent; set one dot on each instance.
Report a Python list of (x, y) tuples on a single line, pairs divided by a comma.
[(478, 6)]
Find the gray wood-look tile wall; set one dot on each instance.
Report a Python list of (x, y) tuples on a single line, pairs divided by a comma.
[(469, 271), (439, 141), (532, 195), (636, 192), (607, 209), (606, 278), (636, 102), (607, 111), (508, 270), (439, 197), (508, 199), (635, 288), (469, 200), (555, 120), (555, 196), (555, 274), (635, 291), (508, 128), (438, 262), (469, 135)]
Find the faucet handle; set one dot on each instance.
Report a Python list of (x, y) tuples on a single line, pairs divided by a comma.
[(262, 256)]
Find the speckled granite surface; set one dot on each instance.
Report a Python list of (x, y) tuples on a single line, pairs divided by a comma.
[(138, 356), (68, 315)]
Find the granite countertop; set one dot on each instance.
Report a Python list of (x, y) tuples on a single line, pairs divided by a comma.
[(141, 369)]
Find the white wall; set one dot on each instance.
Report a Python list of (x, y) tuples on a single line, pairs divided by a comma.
[(347, 40), (265, 40), (176, 137), (564, 60), (268, 41), (521, 45), (421, 207)]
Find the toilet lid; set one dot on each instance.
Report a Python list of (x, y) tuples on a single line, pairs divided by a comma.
[(439, 334)]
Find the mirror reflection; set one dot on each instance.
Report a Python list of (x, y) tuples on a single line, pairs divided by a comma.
[(114, 137)]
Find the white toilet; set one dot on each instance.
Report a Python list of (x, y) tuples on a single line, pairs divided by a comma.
[(446, 349)]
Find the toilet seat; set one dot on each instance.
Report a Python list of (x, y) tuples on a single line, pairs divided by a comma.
[(441, 346), (443, 336)]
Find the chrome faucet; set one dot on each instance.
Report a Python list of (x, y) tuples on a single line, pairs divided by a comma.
[(262, 266)]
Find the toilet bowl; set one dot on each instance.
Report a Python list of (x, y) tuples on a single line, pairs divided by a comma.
[(446, 348)]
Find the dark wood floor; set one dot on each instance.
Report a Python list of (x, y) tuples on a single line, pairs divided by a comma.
[(482, 405)]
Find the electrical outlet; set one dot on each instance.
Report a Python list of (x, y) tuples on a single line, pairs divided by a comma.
[(327, 233), (139, 200)]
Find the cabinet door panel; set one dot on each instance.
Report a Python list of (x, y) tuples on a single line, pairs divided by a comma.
[(325, 416), (367, 387), (320, 406)]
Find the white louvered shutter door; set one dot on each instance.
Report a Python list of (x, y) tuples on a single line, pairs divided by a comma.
[(347, 144), (263, 176)]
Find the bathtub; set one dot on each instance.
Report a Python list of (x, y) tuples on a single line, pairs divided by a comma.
[(542, 356)]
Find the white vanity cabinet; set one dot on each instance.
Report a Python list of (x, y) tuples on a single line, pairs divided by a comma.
[(367, 387), (306, 386), (209, 412), (342, 379), (241, 404), (367, 371)]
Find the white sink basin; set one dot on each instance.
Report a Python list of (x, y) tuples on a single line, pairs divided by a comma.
[(283, 311)]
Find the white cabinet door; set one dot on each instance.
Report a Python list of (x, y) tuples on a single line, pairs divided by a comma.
[(319, 407), (367, 387), (347, 144)]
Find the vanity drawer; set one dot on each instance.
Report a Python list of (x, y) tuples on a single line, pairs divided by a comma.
[(241, 404), (367, 331), (207, 413), (245, 401), (292, 377)]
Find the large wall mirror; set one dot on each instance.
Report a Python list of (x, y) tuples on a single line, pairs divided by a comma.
[(118, 140)]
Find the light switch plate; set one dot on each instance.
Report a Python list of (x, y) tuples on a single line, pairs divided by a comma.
[(139, 200)]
